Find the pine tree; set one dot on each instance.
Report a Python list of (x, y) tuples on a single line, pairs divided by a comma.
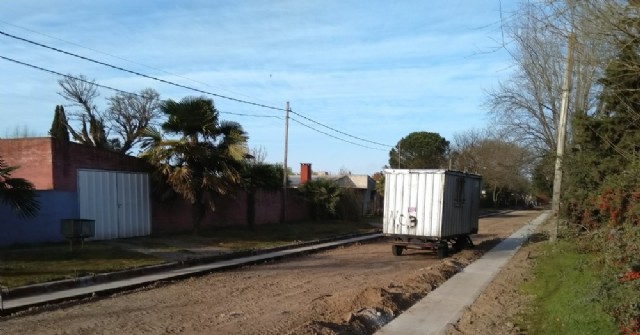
[(59, 129)]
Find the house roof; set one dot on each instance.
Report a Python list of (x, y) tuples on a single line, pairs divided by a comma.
[(346, 181)]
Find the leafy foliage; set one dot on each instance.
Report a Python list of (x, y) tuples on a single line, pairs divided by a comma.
[(603, 166), (419, 150), (602, 186), (323, 195), (18, 193), (59, 125), (206, 158)]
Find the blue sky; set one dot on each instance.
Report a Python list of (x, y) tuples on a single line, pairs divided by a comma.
[(376, 70)]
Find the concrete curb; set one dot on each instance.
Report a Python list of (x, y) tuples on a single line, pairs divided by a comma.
[(84, 281), (44, 295), (445, 305)]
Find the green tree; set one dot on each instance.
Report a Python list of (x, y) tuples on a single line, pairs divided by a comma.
[(205, 160), (419, 150), (59, 129), (18, 193), (604, 161), (323, 195)]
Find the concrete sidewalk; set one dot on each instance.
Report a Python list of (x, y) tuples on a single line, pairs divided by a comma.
[(9, 306), (446, 304)]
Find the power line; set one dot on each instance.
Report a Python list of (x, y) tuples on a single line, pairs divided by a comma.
[(121, 58), (232, 113), (340, 132), (65, 75), (181, 86), (140, 74), (335, 137), (115, 89)]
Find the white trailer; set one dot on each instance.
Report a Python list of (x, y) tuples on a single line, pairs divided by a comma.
[(428, 209)]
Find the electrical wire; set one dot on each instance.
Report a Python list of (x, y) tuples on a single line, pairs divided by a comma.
[(185, 87), (115, 89), (120, 58), (338, 131), (232, 113), (335, 137), (140, 74)]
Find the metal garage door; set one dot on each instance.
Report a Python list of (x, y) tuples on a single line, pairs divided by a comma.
[(117, 201)]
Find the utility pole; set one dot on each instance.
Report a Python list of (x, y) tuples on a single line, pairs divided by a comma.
[(562, 129), (283, 209)]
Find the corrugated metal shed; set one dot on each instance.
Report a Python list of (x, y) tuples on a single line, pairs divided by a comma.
[(431, 203)]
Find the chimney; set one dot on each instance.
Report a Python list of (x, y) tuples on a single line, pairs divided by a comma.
[(305, 172)]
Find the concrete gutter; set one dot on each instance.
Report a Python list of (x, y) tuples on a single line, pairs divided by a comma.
[(445, 305), (12, 301)]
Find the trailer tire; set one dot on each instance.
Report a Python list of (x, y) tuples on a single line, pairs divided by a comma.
[(442, 251), (396, 250), (461, 243)]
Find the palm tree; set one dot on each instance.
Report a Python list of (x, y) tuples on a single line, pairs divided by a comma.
[(204, 160), (18, 193)]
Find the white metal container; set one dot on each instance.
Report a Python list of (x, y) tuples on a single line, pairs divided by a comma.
[(436, 204)]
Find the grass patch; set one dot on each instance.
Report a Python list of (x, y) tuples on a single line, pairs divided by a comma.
[(32, 264), (565, 288), (26, 265), (278, 234)]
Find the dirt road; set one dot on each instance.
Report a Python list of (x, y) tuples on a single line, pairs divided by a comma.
[(342, 291)]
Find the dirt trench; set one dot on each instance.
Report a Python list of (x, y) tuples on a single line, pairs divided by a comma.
[(349, 290)]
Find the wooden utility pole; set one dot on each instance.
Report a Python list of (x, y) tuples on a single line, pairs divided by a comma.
[(283, 209), (562, 130)]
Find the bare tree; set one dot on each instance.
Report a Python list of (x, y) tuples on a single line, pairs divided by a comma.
[(81, 92), (463, 154), (527, 105), (258, 155), (503, 165), (128, 115)]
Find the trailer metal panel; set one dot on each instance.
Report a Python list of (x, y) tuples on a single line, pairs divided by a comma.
[(431, 203)]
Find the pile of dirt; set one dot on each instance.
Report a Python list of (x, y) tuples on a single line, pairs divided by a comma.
[(367, 310)]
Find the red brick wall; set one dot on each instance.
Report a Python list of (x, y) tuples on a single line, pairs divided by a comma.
[(33, 155), (68, 157), (53, 165), (175, 215)]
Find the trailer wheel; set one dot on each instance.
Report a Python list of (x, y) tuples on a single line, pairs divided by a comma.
[(461, 243), (396, 250), (443, 250)]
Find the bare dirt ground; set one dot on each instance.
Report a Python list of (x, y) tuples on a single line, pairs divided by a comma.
[(500, 306), (350, 290)]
